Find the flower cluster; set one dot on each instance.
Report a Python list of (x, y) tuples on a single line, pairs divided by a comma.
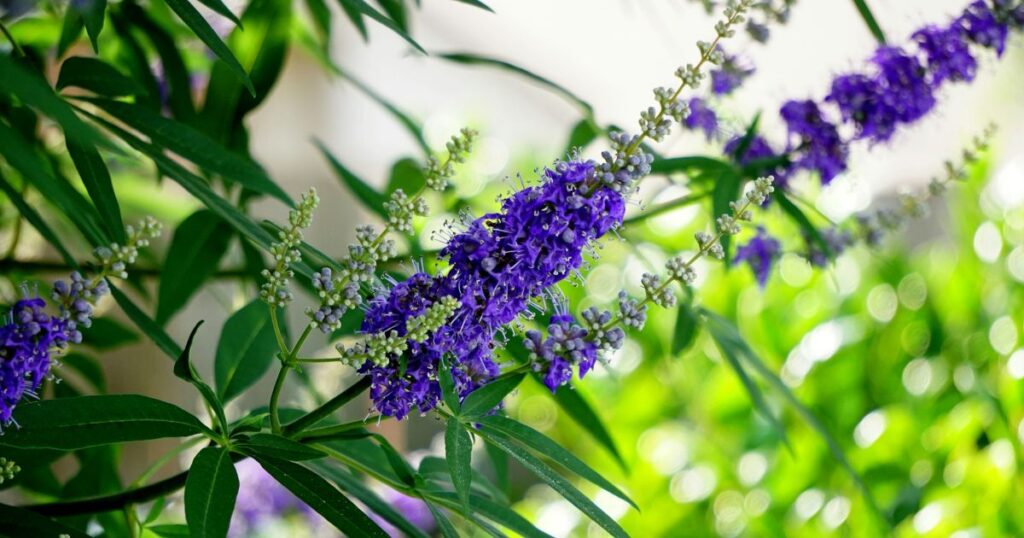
[(286, 252), (759, 253), (899, 88), (29, 335), (730, 74)]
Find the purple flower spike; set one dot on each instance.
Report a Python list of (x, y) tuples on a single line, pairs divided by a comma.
[(760, 252)]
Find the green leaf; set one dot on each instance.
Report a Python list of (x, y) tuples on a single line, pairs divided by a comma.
[(558, 483), (576, 407), (731, 334), (370, 198), (36, 220), (210, 492), (85, 421), (183, 369), (582, 134), (276, 446), (96, 76), (412, 126), (93, 12), (869, 20), (496, 512), (433, 468), (197, 247), (321, 16), (687, 324), (443, 523), (245, 350), (691, 165), (477, 3), (26, 160), (146, 323), (218, 7), (731, 345), (482, 400), (322, 497), (70, 30), (402, 469), (195, 21), (458, 446), (20, 522), (93, 172), (194, 146), (170, 530), (366, 9), (355, 487), (810, 230), (444, 378), (33, 91), (176, 81), (87, 367), (499, 462), (545, 446), (356, 18), (468, 58), (406, 174)]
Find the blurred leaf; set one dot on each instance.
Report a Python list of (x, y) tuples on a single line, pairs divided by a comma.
[(93, 172), (322, 497), (435, 469), (70, 31), (175, 88), (443, 524), (85, 421), (321, 16), (370, 198), (96, 76), (355, 487), (146, 324), (222, 10), (245, 350), (194, 20), (562, 486), (87, 367), (727, 190), (477, 3), (105, 333), (210, 492), (414, 128), (687, 324), (582, 134), (545, 446), (583, 414), (498, 513), (356, 17), (395, 10), (690, 165), (458, 451), (402, 469), (170, 530), (484, 399), (869, 20), (469, 58), (197, 247), (276, 446), (20, 522), (366, 9), (194, 146), (36, 220), (810, 231), (93, 12), (184, 370), (32, 90), (132, 57), (26, 160)]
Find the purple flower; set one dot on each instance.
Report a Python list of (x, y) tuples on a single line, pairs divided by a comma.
[(760, 252), (949, 57), (414, 510), (499, 265), (860, 100), (701, 117), (980, 25), (27, 338), (565, 346), (728, 76), (819, 146), (757, 150), (904, 85), (837, 239)]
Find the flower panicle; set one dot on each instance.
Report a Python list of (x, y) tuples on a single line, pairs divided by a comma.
[(285, 251)]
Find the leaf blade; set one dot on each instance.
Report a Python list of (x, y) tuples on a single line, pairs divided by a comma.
[(195, 21), (210, 492), (245, 349), (487, 397), (198, 245), (459, 449)]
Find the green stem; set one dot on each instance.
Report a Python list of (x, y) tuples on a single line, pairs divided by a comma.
[(277, 330), (6, 32), (328, 408), (275, 396)]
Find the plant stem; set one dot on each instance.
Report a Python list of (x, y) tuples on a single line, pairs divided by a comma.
[(14, 44), (328, 408), (275, 396), (277, 330)]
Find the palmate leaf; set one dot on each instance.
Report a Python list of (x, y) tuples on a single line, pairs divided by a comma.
[(322, 497), (245, 350), (198, 245), (730, 334), (85, 421), (558, 483), (210, 493), (545, 446)]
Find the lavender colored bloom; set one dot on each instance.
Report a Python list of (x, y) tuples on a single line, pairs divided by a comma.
[(757, 150), (728, 76), (980, 25), (861, 100), (949, 57), (498, 265), (27, 338), (904, 85), (760, 252), (820, 148), (565, 346), (702, 117)]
